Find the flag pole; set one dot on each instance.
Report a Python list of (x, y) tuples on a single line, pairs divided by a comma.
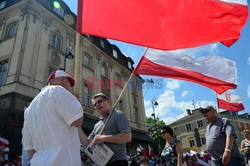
[(77, 48), (217, 103), (112, 110), (119, 97), (77, 57)]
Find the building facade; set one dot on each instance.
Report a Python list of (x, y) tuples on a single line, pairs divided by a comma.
[(37, 37), (191, 129)]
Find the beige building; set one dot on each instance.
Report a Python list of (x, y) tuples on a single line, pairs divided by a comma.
[(37, 38), (185, 128)]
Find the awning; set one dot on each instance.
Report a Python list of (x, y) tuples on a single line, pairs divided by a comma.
[(138, 135), (88, 124)]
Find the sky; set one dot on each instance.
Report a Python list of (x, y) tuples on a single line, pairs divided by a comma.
[(175, 96)]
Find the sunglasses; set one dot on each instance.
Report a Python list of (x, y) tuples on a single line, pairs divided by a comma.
[(98, 102), (163, 132), (205, 111)]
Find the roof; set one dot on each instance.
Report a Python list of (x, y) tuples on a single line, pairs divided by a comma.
[(195, 113)]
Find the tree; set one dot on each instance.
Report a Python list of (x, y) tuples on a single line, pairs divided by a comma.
[(154, 129)]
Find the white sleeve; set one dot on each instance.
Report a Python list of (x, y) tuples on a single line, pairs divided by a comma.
[(68, 107), (27, 138)]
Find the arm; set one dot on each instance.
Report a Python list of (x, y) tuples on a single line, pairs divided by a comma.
[(83, 138), (121, 138), (179, 153), (31, 153), (227, 153), (242, 147), (77, 123)]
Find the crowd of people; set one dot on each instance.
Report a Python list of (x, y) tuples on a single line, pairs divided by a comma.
[(52, 133)]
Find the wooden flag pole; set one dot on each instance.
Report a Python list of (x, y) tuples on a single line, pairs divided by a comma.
[(113, 108), (77, 57), (217, 103)]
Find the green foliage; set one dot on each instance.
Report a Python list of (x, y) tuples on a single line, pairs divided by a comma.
[(154, 129)]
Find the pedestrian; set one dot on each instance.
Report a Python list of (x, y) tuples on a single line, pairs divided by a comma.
[(4, 151), (172, 151), (245, 147), (116, 134), (50, 134), (220, 139)]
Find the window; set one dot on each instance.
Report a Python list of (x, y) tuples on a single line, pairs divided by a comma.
[(3, 71), (129, 65), (59, 11), (203, 140), (86, 95), (11, 30), (136, 115), (104, 71), (102, 43), (2, 4), (56, 41), (115, 54), (118, 81), (188, 126), (176, 130), (87, 60), (200, 123), (120, 105), (191, 143)]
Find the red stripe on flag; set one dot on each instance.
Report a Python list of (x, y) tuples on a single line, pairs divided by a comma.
[(148, 67), (232, 107)]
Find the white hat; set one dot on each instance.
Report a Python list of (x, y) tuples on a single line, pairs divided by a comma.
[(61, 73)]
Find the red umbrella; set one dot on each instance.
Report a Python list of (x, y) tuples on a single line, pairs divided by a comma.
[(4, 142)]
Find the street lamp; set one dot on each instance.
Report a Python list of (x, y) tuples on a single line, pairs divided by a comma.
[(154, 104), (68, 55)]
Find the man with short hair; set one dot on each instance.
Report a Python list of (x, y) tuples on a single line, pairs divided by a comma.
[(50, 134), (116, 134), (220, 139)]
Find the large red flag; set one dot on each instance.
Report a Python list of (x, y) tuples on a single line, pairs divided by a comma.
[(164, 24), (230, 102), (214, 72)]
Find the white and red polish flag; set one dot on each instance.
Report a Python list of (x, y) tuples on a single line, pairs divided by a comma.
[(143, 151), (4, 142), (163, 24), (214, 72), (230, 102), (150, 152)]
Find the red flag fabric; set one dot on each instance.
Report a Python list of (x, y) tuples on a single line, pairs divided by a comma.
[(214, 72), (230, 102), (162, 24), (143, 151)]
